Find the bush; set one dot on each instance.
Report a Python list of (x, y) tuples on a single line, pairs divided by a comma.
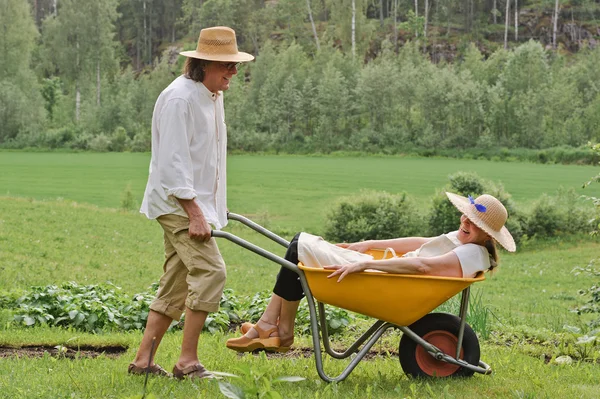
[(249, 141), (444, 217), (119, 140), (373, 215), (560, 214), (141, 142), (100, 143), (58, 138), (82, 141)]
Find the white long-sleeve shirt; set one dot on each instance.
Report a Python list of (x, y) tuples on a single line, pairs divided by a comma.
[(189, 147)]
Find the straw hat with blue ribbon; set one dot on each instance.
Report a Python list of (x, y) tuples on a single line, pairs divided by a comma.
[(488, 214)]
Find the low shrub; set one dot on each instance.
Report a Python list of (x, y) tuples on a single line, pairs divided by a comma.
[(99, 143), (141, 142), (373, 215), (119, 141), (563, 213)]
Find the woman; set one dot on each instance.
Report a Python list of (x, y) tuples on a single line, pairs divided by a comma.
[(462, 253)]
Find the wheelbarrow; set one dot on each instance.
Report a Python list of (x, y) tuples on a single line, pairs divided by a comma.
[(432, 344)]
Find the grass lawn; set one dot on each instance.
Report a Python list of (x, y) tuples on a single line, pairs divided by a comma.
[(517, 375), (288, 192), (84, 237)]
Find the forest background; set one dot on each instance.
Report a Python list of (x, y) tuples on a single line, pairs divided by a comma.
[(486, 78)]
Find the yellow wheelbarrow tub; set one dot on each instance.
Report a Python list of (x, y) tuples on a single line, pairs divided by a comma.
[(400, 299)]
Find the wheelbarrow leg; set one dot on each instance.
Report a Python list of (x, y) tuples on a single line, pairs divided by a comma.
[(354, 347), (464, 307), (317, 344)]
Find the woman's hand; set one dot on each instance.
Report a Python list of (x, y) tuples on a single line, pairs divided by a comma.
[(361, 247), (344, 270)]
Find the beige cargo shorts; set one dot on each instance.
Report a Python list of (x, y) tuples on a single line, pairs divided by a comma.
[(194, 271)]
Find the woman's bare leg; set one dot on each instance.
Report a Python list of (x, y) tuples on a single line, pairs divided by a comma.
[(279, 313)]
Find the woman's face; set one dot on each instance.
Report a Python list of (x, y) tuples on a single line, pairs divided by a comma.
[(468, 232)]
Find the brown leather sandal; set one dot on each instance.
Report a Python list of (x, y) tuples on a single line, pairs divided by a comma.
[(155, 369), (196, 372)]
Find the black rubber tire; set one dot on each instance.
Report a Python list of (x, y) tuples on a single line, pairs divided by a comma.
[(443, 323)]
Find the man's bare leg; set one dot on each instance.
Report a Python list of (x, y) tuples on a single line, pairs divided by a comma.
[(156, 326), (194, 322)]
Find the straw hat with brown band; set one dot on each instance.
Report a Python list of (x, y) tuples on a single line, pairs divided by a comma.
[(488, 214), (218, 44)]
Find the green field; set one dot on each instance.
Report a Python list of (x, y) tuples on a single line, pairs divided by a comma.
[(60, 221), (294, 192)]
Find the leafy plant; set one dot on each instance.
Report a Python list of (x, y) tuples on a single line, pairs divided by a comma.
[(256, 306), (337, 319), (89, 308), (585, 345), (253, 382), (593, 305)]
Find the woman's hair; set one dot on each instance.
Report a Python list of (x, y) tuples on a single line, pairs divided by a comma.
[(490, 245), (194, 69)]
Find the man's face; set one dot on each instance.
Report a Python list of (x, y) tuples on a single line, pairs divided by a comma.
[(217, 75)]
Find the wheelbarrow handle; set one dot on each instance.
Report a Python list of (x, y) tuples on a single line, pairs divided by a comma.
[(258, 228), (256, 249)]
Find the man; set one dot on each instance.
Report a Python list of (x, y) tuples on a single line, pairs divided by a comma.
[(186, 193)]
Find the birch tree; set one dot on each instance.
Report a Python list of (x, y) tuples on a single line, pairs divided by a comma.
[(556, 8), (416, 16), (426, 18), (506, 20), (312, 24), (396, 25), (516, 21), (354, 28), (20, 103), (348, 23), (80, 43)]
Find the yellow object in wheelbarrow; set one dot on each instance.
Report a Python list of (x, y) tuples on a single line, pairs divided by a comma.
[(399, 299)]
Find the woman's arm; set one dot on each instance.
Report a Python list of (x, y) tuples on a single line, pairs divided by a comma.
[(400, 245), (446, 265)]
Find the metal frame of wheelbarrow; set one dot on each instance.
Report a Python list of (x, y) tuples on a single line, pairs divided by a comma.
[(370, 336)]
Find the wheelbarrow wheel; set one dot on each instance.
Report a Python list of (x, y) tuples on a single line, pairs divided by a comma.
[(440, 330)]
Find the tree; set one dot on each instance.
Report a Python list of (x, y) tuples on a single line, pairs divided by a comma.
[(516, 21), (20, 103), (79, 42), (312, 24), (349, 24), (506, 19), (556, 8)]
